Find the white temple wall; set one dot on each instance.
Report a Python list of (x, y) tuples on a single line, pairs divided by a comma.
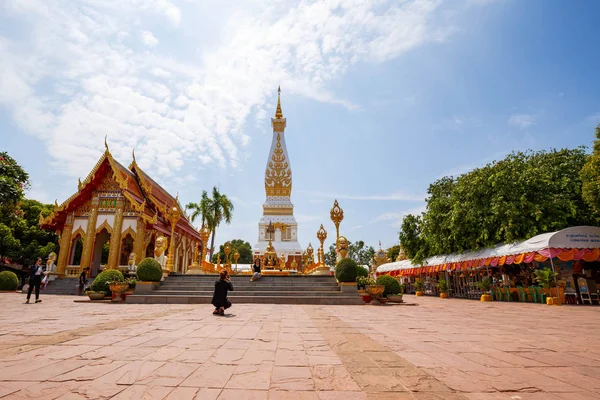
[(129, 223)]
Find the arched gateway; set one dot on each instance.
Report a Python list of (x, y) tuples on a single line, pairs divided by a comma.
[(115, 212)]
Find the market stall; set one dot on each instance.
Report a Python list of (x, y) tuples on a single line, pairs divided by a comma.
[(573, 253)]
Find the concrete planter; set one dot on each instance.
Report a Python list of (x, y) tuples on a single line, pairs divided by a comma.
[(395, 298), (349, 287), (418, 293), (145, 287), (553, 301), (444, 295)]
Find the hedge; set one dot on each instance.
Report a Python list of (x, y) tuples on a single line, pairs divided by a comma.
[(8, 280), (103, 279), (392, 286), (346, 270)]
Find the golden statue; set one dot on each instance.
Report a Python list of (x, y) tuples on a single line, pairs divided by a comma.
[(342, 245), (282, 262), (160, 246), (294, 266), (270, 258)]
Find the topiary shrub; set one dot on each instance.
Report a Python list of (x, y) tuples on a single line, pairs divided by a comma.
[(346, 270), (104, 278), (392, 286), (362, 271), (8, 280), (149, 270)]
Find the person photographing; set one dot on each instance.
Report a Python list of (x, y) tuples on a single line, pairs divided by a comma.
[(220, 300)]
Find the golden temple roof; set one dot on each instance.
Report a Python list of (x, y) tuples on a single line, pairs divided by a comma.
[(278, 112)]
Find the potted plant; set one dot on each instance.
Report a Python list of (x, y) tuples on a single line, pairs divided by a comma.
[(545, 277), (486, 286), (363, 282), (95, 295), (149, 273), (104, 279), (391, 288), (418, 287), (443, 286), (346, 272)]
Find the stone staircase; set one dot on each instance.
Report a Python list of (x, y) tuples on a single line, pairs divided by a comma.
[(64, 286), (198, 289)]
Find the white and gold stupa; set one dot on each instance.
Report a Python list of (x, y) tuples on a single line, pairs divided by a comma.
[(278, 227)]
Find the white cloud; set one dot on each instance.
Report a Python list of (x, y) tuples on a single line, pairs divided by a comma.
[(521, 120), (150, 40), (173, 108), (396, 217)]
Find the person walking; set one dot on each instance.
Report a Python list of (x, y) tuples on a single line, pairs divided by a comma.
[(256, 270), (219, 300), (36, 273), (83, 280)]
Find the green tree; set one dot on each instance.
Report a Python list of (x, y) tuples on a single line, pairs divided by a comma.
[(590, 176), (244, 248), (393, 252), (220, 209), (357, 251), (202, 210), (13, 181), (525, 194)]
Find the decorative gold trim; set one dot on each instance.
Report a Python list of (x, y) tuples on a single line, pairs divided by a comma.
[(104, 224), (278, 211), (129, 231), (278, 176), (79, 231)]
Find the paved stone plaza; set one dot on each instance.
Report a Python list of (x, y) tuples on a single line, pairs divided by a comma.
[(438, 349)]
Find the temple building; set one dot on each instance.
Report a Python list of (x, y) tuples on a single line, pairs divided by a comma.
[(117, 217), (277, 228)]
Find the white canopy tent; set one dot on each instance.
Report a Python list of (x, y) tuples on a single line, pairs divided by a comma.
[(577, 237)]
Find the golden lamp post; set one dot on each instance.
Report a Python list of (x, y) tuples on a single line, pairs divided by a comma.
[(337, 215), (321, 269), (227, 263), (172, 215), (236, 257)]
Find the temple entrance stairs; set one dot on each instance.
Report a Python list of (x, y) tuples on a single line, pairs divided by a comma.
[(198, 289)]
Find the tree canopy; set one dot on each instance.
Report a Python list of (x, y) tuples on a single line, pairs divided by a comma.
[(13, 181), (525, 194), (590, 176), (241, 246), (357, 251)]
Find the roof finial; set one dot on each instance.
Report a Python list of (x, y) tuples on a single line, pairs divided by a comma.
[(133, 154), (278, 112), (105, 143)]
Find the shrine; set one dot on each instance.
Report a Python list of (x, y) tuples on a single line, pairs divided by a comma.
[(117, 217), (277, 228)]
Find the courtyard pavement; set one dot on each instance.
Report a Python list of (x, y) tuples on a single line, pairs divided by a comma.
[(438, 349)]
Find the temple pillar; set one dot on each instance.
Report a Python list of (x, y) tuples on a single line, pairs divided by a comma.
[(65, 246), (115, 238), (90, 236), (139, 244)]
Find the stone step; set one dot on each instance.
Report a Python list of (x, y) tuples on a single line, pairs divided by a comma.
[(239, 293), (238, 288), (266, 299)]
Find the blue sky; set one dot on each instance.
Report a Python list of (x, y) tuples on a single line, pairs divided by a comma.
[(381, 97)]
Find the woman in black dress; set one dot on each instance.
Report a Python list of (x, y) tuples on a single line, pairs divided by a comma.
[(219, 300), (255, 270)]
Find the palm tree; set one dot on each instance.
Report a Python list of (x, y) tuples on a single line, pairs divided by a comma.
[(220, 210), (202, 210)]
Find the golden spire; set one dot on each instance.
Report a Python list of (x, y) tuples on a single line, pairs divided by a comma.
[(105, 143), (278, 112), (133, 155)]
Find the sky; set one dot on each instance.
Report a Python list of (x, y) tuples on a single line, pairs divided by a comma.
[(381, 97)]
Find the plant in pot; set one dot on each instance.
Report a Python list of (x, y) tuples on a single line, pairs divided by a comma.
[(486, 286), (363, 282), (391, 288), (443, 286), (546, 277), (418, 287), (104, 279), (346, 272)]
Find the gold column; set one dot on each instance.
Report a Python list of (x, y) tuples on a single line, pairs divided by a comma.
[(65, 246), (172, 215), (90, 236), (115, 238), (337, 215), (139, 247), (321, 269)]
